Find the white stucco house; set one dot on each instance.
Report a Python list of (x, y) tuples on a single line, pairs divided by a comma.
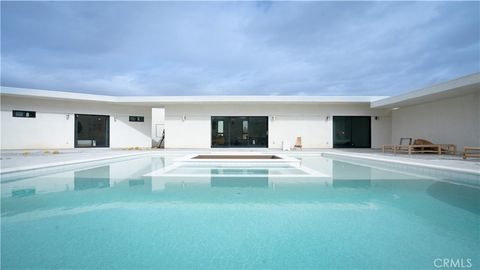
[(448, 112)]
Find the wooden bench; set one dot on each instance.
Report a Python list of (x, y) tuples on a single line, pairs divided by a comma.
[(393, 147), (388, 147), (449, 148), (419, 148), (467, 152)]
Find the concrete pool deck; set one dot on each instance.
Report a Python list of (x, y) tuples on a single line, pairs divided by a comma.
[(20, 160)]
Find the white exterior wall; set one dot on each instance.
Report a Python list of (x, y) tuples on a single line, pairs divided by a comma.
[(291, 120), (51, 128), (448, 121)]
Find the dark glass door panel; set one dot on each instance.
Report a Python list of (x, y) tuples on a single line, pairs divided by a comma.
[(239, 131), (361, 132), (92, 130), (219, 133), (342, 131), (236, 132), (351, 132), (258, 131)]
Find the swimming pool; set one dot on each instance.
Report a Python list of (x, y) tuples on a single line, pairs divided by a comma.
[(151, 212)]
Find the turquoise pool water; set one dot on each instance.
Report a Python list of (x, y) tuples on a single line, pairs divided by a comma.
[(111, 215)]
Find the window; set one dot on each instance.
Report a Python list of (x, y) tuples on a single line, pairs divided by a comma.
[(245, 129), (239, 131), (92, 130), (351, 132), (245, 126), (27, 114), (220, 127), (136, 119)]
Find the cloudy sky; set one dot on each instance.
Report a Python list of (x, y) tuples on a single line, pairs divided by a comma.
[(238, 48)]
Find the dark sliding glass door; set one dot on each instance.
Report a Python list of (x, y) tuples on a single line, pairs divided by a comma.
[(351, 132), (92, 130), (239, 131)]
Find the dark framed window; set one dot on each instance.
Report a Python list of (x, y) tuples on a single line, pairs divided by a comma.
[(239, 131), (27, 114), (92, 130), (352, 132), (136, 119)]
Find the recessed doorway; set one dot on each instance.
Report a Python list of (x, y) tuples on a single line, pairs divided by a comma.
[(239, 131), (92, 130), (351, 132)]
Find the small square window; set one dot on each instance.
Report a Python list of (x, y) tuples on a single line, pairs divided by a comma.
[(26, 114), (136, 119), (245, 126), (220, 127)]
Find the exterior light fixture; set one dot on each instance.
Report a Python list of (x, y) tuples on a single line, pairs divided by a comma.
[(184, 117), (67, 116), (393, 109), (274, 118), (376, 117), (327, 118)]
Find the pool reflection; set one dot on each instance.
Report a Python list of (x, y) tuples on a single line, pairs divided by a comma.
[(346, 176), (460, 196), (228, 182), (336, 183), (256, 178), (136, 182), (23, 192), (92, 178), (125, 182)]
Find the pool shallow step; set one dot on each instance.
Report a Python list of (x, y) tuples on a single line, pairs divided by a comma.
[(240, 159), (179, 170)]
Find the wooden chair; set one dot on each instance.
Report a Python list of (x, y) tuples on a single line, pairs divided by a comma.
[(425, 146), (444, 148), (403, 141), (298, 143), (467, 152)]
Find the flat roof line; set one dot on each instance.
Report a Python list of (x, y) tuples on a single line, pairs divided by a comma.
[(460, 86), (149, 100), (456, 87), (49, 94)]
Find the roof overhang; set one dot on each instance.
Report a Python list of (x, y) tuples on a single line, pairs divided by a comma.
[(458, 87), (53, 95), (166, 100)]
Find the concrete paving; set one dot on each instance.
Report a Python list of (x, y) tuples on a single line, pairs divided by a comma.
[(448, 162), (18, 160)]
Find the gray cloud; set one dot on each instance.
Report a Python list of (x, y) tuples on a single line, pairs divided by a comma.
[(214, 48)]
